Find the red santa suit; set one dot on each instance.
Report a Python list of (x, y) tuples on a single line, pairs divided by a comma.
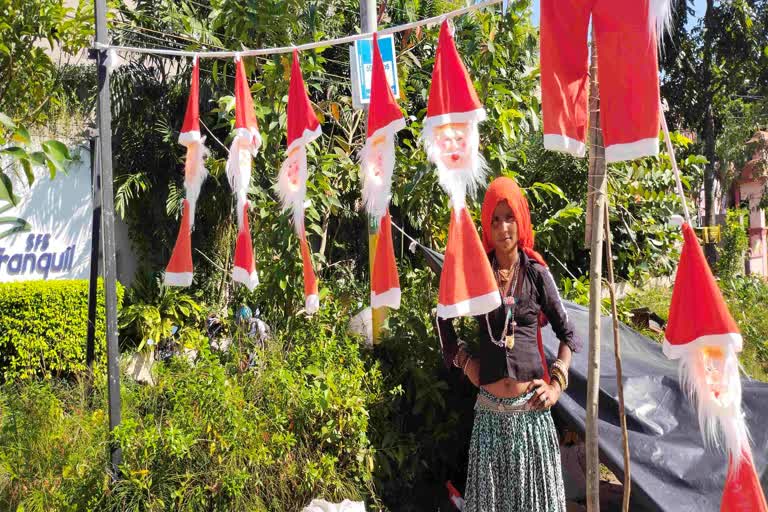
[(628, 74)]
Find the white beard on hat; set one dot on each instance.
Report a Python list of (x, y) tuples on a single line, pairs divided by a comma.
[(710, 376), (239, 172), (471, 171), (195, 174), (292, 185), (377, 164)]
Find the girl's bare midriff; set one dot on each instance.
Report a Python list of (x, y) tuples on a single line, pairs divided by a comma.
[(507, 387)]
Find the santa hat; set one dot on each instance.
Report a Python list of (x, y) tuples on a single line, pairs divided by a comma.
[(385, 283), (246, 142), (743, 492), (190, 130), (179, 270), (698, 315), (311, 297), (700, 325), (244, 270), (467, 284), (384, 115), (452, 97), (303, 128)]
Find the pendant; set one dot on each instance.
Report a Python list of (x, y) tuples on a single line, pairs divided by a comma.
[(509, 300), (509, 342)]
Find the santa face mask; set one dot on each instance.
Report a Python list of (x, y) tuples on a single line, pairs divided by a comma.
[(292, 180), (378, 164), (712, 379), (453, 142), (454, 148)]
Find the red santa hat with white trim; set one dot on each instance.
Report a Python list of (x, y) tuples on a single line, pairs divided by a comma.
[(179, 271), (467, 284), (246, 143), (385, 119), (303, 128), (701, 328)]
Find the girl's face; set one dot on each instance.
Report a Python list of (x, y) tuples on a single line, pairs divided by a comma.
[(504, 228)]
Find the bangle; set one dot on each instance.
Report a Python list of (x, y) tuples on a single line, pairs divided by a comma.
[(560, 366), (557, 373)]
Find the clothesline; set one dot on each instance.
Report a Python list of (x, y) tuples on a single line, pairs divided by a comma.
[(301, 47)]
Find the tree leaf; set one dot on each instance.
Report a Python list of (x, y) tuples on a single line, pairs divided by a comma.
[(21, 135), (6, 190), (56, 151), (27, 165), (16, 152)]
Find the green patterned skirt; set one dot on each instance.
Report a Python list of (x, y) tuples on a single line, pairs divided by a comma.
[(514, 458)]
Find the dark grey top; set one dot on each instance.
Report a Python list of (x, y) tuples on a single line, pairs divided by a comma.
[(536, 292)]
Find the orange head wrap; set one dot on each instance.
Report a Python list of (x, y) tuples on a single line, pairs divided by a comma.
[(505, 189)]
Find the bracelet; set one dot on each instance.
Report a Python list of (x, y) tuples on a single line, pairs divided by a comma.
[(556, 375), (563, 369), (557, 372)]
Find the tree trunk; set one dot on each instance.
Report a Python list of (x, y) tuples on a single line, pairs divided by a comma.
[(710, 174)]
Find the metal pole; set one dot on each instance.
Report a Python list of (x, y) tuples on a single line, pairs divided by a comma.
[(95, 238), (617, 358), (599, 179), (104, 122), (378, 315)]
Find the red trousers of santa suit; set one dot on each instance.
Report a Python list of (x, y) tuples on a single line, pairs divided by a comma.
[(628, 76)]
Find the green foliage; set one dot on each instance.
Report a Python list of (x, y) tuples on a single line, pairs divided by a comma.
[(210, 435), (30, 79), (154, 310), (16, 144), (734, 245), (43, 328)]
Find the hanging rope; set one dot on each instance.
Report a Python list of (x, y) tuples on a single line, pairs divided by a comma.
[(675, 169), (307, 46)]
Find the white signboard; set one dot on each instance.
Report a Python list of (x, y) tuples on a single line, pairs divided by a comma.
[(53, 224)]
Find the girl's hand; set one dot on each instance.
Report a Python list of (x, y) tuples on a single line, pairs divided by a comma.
[(544, 396)]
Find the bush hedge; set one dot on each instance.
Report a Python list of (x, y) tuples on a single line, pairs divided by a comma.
[(43, 326)]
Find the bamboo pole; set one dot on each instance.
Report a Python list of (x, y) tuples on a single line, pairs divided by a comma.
[(617, 355), (597, 189)]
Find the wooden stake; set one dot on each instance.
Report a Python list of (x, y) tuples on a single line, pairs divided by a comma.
[(617, 356), (597, 189)]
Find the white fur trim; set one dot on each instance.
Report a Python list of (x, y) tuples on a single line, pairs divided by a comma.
[(187, 138), (711, 340), (306, 137), (241, 275), (390, 299), (252, 135), (564, 144), (389, 129), (632, 150), (311, 304), (455, 117), (470, 307), (178, 279)]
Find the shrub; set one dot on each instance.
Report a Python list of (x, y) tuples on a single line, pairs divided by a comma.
[(289, 425), (43, 326), (735, 242)]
